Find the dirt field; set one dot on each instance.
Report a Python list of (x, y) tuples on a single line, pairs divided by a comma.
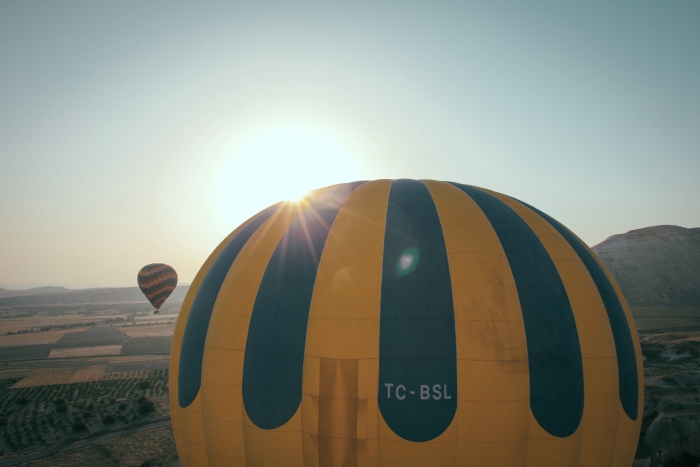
[(147, 346), (86, 351), (157, 330), (25, 352), (93, 337), (44, 377), (45, 337), (48, 376)]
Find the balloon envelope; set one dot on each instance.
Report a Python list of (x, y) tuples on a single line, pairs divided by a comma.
[(405, 323), (157, 281)]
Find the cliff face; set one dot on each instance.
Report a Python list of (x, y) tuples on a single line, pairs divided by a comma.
[(655, 266)]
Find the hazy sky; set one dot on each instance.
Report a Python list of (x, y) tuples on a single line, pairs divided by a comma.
[(138, 132)]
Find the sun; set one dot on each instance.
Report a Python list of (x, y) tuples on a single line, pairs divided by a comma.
[(297, 196), (280, 164)]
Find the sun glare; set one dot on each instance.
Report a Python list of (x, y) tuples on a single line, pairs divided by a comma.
[(282, 164)]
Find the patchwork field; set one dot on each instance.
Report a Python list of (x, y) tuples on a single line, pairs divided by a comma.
[(72, 374), (45, 332)]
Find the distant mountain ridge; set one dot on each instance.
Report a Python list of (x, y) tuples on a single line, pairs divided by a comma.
[(73, 297), (655, 266), (32, 291)]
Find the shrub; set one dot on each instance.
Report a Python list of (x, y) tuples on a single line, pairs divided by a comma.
[(79, 426), (61, 408), (108, 420), (122, 406), (144, 385), (22, 401), (146, 407)]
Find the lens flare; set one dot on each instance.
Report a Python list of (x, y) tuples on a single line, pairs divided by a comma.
[(407, 262)]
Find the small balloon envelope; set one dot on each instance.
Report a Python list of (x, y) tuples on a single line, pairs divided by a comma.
[(157, 281)]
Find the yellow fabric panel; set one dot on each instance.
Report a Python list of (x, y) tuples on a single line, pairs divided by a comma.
[(236, 325), (487, 302), (493, 422), (601, 457), (342, 340), (224, 439), (492, 370), (545, 450), (482, 380), (478, 267), (222, 402), (368, 409), (628, 430), (274, 448), (345, 304), (310, 447), (222, 461), (222, 365), (351, 336), (192, 435), (627, 434), (195, 453), (176, 412), (505, 454), (368, 452), (601, 385), (396, 452), (337, 412)]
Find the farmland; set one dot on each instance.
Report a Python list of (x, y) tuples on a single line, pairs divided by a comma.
[(42, 415), (87, 377)]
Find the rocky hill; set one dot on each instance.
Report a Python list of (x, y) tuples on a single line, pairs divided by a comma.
[(655, 266)]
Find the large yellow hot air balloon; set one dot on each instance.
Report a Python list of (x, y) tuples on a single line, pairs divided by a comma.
[(405, 323), (157, 281)]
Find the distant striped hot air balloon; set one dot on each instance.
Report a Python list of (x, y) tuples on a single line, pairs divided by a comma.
[(157, 281), (405, 323)]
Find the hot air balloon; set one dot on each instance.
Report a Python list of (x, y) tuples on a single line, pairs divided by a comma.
[(405, 323), (157, 281)]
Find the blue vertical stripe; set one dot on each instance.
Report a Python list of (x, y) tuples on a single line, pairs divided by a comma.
[(274, 354), (192, 351), (554, 353), (622, 335), (417, 342)]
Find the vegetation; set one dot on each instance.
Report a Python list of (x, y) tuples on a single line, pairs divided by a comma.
[(40, 416)]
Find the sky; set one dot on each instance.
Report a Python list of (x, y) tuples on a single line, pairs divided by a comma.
[(140, 132)]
